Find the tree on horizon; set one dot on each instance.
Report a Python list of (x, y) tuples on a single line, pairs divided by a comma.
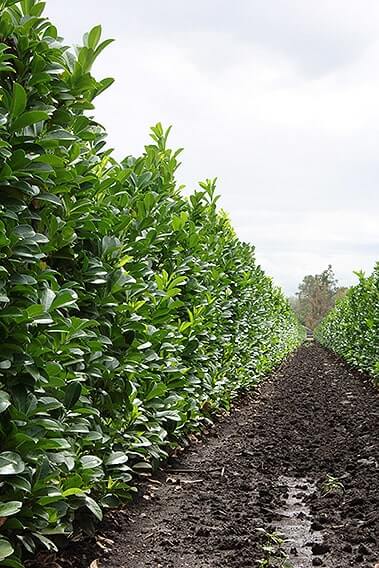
[(316, 296)]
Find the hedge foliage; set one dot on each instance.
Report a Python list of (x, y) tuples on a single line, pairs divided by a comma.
[(129, 313), (351, 329)]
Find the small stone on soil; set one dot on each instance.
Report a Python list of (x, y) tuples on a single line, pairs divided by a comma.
[(320, 548), (316, 526)]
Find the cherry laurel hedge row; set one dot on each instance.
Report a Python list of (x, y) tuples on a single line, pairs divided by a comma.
[(351, 329), (128, 313)]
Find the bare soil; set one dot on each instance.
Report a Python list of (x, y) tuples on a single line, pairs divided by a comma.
[(299, 456)]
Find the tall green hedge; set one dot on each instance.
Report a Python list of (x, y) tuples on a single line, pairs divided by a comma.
[(128, 313), (351, 329)]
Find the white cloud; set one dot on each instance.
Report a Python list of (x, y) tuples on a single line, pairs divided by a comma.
[(278, 99), (306, 243)]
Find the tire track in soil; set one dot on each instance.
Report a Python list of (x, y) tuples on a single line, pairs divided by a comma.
[(315, 416)]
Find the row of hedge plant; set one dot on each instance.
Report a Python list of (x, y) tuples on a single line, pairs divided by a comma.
[(128, 312), (351, 329)]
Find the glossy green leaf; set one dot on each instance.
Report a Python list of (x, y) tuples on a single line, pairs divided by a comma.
[(4, 401), (29, 118), (64, 299), (18, 100), (54, 444), (11, 463), (93, 507), (116, 458), (9, 508), (90, 462)]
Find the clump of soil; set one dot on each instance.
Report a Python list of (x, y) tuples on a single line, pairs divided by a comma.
[(309, 433)]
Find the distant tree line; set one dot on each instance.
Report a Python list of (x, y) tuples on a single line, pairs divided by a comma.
[(316, 295)]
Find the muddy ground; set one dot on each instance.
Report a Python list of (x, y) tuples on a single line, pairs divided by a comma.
[(299, 457)]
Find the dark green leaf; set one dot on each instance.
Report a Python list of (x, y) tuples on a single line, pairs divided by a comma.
[(28, 119)]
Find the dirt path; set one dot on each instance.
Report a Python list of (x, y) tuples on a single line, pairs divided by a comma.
[(264, 470)]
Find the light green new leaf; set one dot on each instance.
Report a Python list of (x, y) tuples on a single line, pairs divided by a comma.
[(93, 37), (6, 549)]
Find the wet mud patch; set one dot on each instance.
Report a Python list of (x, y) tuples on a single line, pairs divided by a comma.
[(299, 456), (300, 544)]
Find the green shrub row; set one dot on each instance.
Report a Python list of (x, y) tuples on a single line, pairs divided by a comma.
[(351, 329), (128, 313)]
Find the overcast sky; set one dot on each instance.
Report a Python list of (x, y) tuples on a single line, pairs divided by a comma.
[(277, 98)]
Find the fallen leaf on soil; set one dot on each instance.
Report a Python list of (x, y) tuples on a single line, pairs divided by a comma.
[(94, 564)]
